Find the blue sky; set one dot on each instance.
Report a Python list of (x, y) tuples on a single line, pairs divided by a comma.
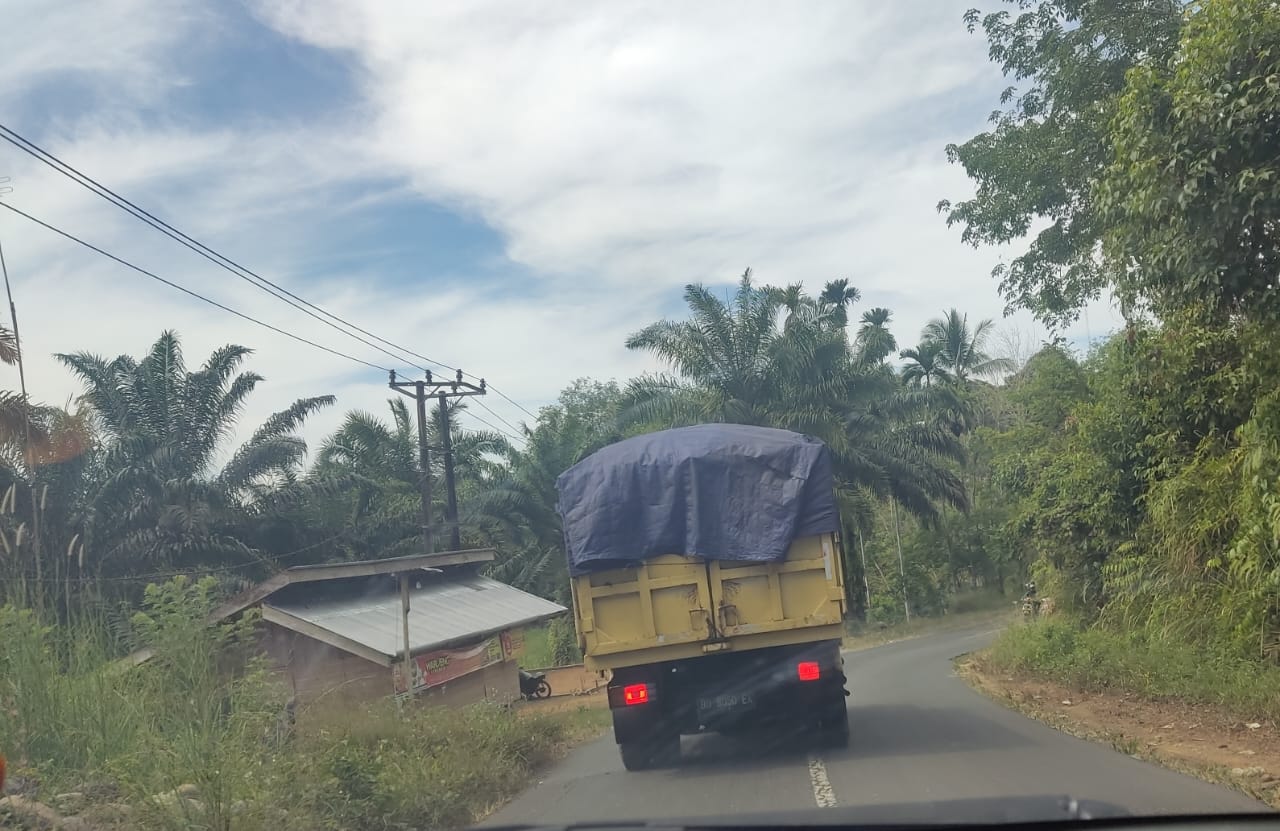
[(509, 187)]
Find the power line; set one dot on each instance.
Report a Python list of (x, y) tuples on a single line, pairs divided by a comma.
[(497, 430), (186, 290), (196, 573), (514, 436), (508, 399), (258, 282), (253, 278), (496, 415)]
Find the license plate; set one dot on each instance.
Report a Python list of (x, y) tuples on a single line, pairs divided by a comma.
[(725, 703)]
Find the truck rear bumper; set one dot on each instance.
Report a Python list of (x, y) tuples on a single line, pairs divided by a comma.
[(730, 692)]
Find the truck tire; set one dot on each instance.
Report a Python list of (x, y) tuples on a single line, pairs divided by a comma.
[(651, 753), (833, 731)]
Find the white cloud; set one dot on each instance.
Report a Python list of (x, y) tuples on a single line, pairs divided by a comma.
[(602, 139), (621, 149), (642, 147), (116, 49)]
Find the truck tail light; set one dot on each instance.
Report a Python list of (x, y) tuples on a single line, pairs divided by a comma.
[(808, 670), (633, 694)]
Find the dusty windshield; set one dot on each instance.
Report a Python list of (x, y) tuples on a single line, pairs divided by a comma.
[(423, 414)]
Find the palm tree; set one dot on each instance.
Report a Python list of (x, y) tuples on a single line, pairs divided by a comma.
[(380, 514), (735, 364), (723, 358), (522, 503), (875, 342), (838, 296), (161, 498), (17, 417), (962, 349), (925, 364)]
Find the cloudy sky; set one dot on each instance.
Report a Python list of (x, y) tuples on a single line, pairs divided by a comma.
[(507, 187)]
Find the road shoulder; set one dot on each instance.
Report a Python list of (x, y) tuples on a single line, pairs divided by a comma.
[(1196, 739)]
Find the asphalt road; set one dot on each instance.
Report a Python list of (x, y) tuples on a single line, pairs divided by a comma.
[(918, 734)]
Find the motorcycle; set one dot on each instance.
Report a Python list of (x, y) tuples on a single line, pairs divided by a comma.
[(1030, 602), (534, 685)]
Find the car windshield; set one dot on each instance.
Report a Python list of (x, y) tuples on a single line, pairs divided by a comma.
[(425, 414)]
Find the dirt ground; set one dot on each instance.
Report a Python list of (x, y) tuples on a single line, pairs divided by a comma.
[(1198, 739), (595, 700)]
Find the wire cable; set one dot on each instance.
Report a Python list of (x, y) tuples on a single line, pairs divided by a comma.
[(507, 398), (186, 290), (253, 278), (258, 282), (191, 572), (495, 414), (498, 430)]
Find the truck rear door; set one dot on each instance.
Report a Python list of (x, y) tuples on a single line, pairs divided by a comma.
[(804, 590), (666, 601)]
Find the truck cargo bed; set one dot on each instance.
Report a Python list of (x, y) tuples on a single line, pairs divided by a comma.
[(674, 607)]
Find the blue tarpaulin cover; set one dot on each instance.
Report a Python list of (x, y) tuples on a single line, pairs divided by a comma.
[(716, 491)]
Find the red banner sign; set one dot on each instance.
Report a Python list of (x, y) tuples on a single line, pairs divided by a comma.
[(431, 669)]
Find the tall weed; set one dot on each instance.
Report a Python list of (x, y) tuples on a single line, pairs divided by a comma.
[(1099, 658), (193, 737)]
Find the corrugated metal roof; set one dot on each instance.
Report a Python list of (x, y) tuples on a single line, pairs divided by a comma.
[(439, 614)]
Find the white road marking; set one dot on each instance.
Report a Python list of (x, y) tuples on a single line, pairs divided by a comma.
[(822, 790)]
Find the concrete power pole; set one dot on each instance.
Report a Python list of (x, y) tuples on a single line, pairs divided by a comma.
[(420, 391)]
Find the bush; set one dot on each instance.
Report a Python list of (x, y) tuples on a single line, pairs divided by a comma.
[(979, 601), (60, 713), (562, 638), (1098, 658), (205, 713), (74, 719), (427, 768)]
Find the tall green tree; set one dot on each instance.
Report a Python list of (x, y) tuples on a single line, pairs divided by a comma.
[(925, 365), (523, 501), (724, 359), (1043, 157), (1191, 194), (380, 513), (736, 363), (165, 497), (962, 349), (875, 342), (837, 296)]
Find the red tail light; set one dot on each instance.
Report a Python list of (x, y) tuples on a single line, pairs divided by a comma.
[(808, 670), (633, 694)]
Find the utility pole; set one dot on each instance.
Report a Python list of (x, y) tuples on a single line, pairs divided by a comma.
[(442, 391), (902, 568), (450, 486), (866, 583), (418, 391), (28, 450)]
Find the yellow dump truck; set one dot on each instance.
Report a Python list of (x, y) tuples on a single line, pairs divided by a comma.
[(707, 576)]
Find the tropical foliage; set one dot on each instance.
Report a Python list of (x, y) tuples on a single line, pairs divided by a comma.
[(1136, 480), (1141, 479)]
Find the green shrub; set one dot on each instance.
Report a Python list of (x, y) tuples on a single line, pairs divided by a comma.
[(1099, 658), (562, 639), (427, 768), (537, 650), (204, 712), (979, 601)]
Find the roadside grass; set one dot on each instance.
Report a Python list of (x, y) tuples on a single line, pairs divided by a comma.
[(198, 736), (427, 769), (979, 672), (1099, 659), (967, 611), (537, 649)]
